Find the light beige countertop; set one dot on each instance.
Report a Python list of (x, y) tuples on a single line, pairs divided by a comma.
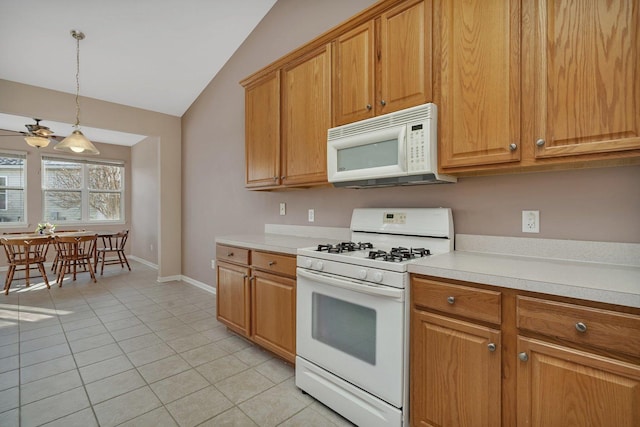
[(478, 259), (616, 281)]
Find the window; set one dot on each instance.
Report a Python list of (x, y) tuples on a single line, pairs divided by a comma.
[(82, 190), (12, 187)]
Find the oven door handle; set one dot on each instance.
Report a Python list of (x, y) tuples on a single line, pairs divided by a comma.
[(369, 289)]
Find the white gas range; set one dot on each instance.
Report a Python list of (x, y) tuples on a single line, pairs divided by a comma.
[(353, 312)]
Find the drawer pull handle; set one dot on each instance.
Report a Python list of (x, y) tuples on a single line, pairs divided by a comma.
[(491, 347), (581, 327), (229, 253), (523, 356), (451, 300), (272, 263)]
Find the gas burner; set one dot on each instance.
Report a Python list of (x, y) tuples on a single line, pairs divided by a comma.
[(344, 247), (399, 254)]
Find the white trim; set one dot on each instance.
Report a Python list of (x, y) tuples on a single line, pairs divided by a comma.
[(201, 285), (143, 261), (176, 278)]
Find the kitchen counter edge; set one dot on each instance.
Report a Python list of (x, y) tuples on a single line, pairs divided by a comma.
[(607, 283)]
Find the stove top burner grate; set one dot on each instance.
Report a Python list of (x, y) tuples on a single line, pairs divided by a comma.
[(399, 254), (344, 247)]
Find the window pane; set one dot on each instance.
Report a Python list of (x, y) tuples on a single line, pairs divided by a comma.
[(12, 208), (62, 206), (62, 175), (104, 206), (11, 205), (103, 177)]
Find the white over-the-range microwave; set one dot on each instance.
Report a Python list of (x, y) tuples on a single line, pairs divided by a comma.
[(398, 148)]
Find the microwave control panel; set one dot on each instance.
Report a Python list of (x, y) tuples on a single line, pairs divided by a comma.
[(417, 150)]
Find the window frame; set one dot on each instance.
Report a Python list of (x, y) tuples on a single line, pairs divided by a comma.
[(3, 192), (23, 221), (84, 190)]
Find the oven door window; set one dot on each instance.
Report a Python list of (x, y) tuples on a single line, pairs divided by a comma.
[(345, 326)]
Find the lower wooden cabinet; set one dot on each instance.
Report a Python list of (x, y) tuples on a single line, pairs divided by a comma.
[(233, 297), (273, 313), (520, 358), (256, 297), (562, 386), (455, 372)]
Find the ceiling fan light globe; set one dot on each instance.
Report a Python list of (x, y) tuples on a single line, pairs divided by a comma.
[(77, 143), (37, 141)]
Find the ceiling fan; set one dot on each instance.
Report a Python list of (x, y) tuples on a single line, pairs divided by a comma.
[(37, 136)]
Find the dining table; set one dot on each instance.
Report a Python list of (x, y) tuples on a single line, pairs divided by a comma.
[(98, 233)]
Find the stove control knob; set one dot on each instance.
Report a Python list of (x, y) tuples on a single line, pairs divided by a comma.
[(377, 276), (362, 274), (307, 263), (319, 265)]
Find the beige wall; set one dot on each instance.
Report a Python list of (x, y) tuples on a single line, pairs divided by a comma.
[(31, 101), (595, 204), (144, 192)]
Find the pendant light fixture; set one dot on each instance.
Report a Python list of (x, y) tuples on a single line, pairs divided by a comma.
[(76, 142)]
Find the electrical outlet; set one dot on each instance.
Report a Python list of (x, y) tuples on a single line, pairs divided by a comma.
[(213, 264), (283, 208), (312, 215), (151, 247), (530, 221)]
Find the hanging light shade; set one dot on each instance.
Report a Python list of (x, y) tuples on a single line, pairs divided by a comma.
[(37, 141), (77, 142)]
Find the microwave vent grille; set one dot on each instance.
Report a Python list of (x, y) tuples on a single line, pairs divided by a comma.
[(419, 113)]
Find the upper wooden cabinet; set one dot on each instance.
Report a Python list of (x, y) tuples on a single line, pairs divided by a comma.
[(546, 84), (477, 79), (262, 131), (586, 76), (306, 116), (384, 64)]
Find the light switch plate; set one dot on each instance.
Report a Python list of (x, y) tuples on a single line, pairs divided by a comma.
[(283, 208), (312, 215)]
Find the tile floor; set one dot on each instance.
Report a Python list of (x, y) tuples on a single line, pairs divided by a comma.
[(129, 351)]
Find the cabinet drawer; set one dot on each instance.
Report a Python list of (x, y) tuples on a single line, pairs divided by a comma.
[(478, 304), (232, 254), (279, 264), (605, 329)]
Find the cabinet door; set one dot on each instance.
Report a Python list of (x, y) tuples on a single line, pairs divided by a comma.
[(233, 297), (262, 131), (587, 76), (477, 81), (404, 55), (559, 386), (274, 314), (455, 376), (306, 116), (353, 75)]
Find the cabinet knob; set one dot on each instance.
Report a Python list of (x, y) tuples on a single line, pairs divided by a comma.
[(245, 276), (523, 356), (369, 107), (581, 327), (275, 178), (229, 253), (383, 102), (491, 347), (513, 147), (283, 177), (540, 142), (272, 263), (451, 300)]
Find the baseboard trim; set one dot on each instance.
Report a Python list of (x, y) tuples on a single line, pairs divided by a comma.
[(143, 261), (199, 284)]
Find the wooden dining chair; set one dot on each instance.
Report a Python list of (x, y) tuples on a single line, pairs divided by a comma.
[(56, 260), (113, 244), (74, 252), (24, 254)]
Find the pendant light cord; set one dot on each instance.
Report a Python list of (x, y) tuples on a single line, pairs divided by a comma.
[(78, 80)]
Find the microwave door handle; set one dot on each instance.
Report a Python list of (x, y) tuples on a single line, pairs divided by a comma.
[(402, 145), (380, 291)]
